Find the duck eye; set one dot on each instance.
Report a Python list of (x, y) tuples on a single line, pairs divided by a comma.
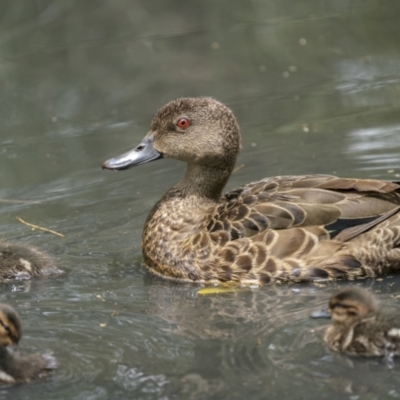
[(183, 123)]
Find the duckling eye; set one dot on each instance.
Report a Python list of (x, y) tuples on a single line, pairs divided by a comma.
[(6, 327), (183, 123)]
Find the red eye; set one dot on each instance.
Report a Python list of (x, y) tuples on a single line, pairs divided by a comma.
[(183, 123)]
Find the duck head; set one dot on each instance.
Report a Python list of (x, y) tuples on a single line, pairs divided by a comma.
[(10, 326), (200, 131), (352, 304)]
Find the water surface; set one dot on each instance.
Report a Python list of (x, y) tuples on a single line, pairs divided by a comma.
[(315, 86)]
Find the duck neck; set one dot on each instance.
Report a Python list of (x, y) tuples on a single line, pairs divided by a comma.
[(179, 220), (204, 181)]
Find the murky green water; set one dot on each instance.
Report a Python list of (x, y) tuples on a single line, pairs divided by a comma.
[(316, 88)]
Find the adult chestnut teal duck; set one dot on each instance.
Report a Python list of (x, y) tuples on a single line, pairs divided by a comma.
[(360, 327), (20, 261), (16, 367), (279, 229)]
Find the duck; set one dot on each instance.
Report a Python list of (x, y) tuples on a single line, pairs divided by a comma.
[(360, 327), (274, 230), (16, 367), (21, 262)]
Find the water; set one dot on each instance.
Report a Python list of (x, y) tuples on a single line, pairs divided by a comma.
[(315, 86)]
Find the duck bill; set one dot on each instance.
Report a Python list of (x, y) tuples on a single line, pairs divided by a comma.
[(324, 313), (141, 154)]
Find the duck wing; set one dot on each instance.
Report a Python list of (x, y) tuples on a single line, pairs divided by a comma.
[(302, 228), (345, 208)]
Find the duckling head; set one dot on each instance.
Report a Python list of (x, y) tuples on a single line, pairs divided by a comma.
[(10, 326), (199, 131), (352, 304)]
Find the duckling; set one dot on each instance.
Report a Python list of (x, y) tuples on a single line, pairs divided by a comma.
[(360, 327), (279, 229), (19, 261), (14, 366)]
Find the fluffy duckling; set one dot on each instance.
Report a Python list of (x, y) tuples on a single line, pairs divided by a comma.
[(14, 366), (278, 229), (360, 327), (19, 261)]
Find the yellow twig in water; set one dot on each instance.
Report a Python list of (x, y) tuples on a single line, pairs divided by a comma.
[(220, 290), (18, 201), (39, 227), (238, 168)]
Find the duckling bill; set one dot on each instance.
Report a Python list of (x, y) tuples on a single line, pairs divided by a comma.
[(278, 229), (360, 327), (16, 367)]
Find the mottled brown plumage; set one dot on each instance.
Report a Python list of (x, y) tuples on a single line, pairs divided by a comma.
[(16, 367), (360, 327), (280, 229), (19, 261)]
